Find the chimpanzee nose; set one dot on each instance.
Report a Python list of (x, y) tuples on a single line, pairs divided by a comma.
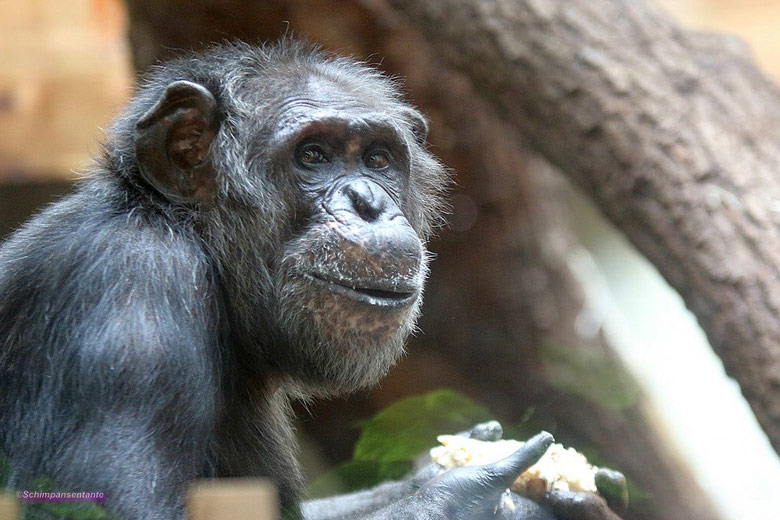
[(368, 200)]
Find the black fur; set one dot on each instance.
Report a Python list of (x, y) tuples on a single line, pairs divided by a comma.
[(145, 343)]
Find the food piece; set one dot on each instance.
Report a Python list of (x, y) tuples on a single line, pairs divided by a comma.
[(559, 468)]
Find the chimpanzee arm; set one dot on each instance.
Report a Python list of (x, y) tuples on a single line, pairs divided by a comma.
[(462, 493), (106, 366), (359, 504), (362, 503)]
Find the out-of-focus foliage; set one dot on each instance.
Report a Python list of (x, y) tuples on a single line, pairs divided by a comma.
[(590, 374), (391, 440)]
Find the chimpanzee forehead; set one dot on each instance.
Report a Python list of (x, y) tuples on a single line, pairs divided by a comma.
[(324, 85), (328, 91), (324, 102)]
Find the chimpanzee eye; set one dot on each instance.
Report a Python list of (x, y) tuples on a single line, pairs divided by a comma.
[(377, 160), (311, 154)]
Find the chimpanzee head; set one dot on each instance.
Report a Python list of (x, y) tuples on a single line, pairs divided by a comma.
[(308, 183)]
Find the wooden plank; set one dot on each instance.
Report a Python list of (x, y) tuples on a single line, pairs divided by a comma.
[(9, 506), (233, 499)]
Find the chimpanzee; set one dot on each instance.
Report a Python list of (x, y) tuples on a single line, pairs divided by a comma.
[(253, 232)]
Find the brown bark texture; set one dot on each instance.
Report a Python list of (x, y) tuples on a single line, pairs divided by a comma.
[(501, 291), (673, 133)]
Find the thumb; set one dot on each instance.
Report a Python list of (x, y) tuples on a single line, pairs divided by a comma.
[(503, 473), (461, 491)]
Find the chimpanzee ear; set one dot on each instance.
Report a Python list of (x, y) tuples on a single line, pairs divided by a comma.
[(172, 141), (418, 123)]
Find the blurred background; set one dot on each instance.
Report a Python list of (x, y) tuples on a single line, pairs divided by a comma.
[(582, 301)]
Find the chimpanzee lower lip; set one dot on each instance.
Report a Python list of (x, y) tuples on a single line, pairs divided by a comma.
[(372, 296)]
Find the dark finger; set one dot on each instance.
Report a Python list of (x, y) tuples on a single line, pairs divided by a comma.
[(487, 431), (570, 505), (503, 473), (612, 486)]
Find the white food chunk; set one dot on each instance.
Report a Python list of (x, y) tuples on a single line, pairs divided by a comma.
[(559, 468)]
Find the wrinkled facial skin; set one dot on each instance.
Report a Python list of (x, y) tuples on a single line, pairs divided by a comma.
[(348, 281)]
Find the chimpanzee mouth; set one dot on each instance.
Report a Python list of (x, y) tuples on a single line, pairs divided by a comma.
[(385, 297)]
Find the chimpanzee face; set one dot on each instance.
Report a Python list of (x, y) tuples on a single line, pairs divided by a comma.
[(353, 275), (324, 257)]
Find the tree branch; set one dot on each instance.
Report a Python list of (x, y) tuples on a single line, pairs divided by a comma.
[(674, 135)]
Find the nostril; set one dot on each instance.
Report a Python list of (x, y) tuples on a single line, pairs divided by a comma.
[(367, 202)]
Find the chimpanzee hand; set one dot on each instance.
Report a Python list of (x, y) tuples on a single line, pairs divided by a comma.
[(474, 493), (564, 504), (511, 506), (470, 492)]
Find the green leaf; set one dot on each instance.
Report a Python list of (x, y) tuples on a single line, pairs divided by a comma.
[(410, 426), (396, 436)]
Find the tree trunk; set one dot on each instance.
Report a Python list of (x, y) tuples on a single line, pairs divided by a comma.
[(673, 134), (502, 292)]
